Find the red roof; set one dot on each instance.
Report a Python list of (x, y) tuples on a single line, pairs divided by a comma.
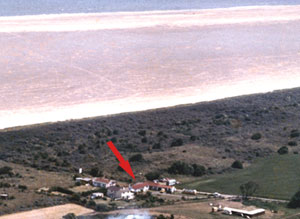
[(102, 180), (140, 185)]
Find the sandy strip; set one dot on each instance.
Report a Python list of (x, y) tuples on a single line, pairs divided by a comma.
[(125, 20), (50, 212)]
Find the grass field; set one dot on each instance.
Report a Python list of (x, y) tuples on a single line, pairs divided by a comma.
[(278, 177)]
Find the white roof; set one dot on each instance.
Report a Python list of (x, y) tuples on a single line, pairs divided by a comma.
[(252, 212), (97, 193)]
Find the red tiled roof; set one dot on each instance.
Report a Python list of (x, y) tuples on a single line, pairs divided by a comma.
[(140, 185), (102, 180)]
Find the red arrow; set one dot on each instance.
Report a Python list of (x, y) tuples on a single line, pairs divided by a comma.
[(123, 163)]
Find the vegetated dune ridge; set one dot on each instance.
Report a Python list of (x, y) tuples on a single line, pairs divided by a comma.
[(213, 134), (176, 58), (125, 20)]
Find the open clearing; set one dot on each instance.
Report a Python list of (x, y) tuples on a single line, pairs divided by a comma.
[(278, 177), (50, 212)]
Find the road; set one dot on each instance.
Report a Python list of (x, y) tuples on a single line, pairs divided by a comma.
[(226, 196)]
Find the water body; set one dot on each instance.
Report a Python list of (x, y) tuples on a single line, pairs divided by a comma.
[(34, 7), (54, 76)]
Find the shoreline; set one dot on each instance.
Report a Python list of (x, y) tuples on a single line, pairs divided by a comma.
[(146, 110), (144, 19), (88, 14)]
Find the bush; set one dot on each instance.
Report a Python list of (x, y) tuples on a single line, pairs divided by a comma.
[(61, 189), (152, 175), (114, 139), (156, 146), (95, 172), (199, 170), (22, 187), (292, 143), (294, 133), (101, 207), (295, 201), (283, 150), (142, 132), (81, 149), (144, 140), (74, 198), (91, 203), (256, 136), (177, 142), (180, 167), (136, 158), (237, 164), (4, 185), (193, 138), (6, 170)]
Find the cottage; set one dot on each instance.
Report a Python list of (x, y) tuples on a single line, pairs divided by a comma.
[(169, 182), (102, 182), (160, 187), (139, 187), (115, 192)]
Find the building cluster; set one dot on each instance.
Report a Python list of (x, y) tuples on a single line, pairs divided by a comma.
[(127, 193)]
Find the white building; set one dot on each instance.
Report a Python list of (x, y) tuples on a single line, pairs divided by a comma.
[(102, 182), (243, 213), (115, 192), (84, 180)]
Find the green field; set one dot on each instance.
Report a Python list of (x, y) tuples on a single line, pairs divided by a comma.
[(278, 177)]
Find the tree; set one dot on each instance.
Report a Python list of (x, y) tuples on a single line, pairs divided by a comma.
[(136, 158), (95, 172), (248, 189), (283, 150), (256, 136), (152, 175), (199, 170), (295, 201), (177, 142), (179, 167), (237, 164)]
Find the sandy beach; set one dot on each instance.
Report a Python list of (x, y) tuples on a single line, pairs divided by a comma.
[(125, 20), (71, 66)]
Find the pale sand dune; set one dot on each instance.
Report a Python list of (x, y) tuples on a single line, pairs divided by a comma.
[(126, 20), (50, 212)]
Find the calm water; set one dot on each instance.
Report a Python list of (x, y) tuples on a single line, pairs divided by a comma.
[(64, 75), (32, 7), (51, 76)]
